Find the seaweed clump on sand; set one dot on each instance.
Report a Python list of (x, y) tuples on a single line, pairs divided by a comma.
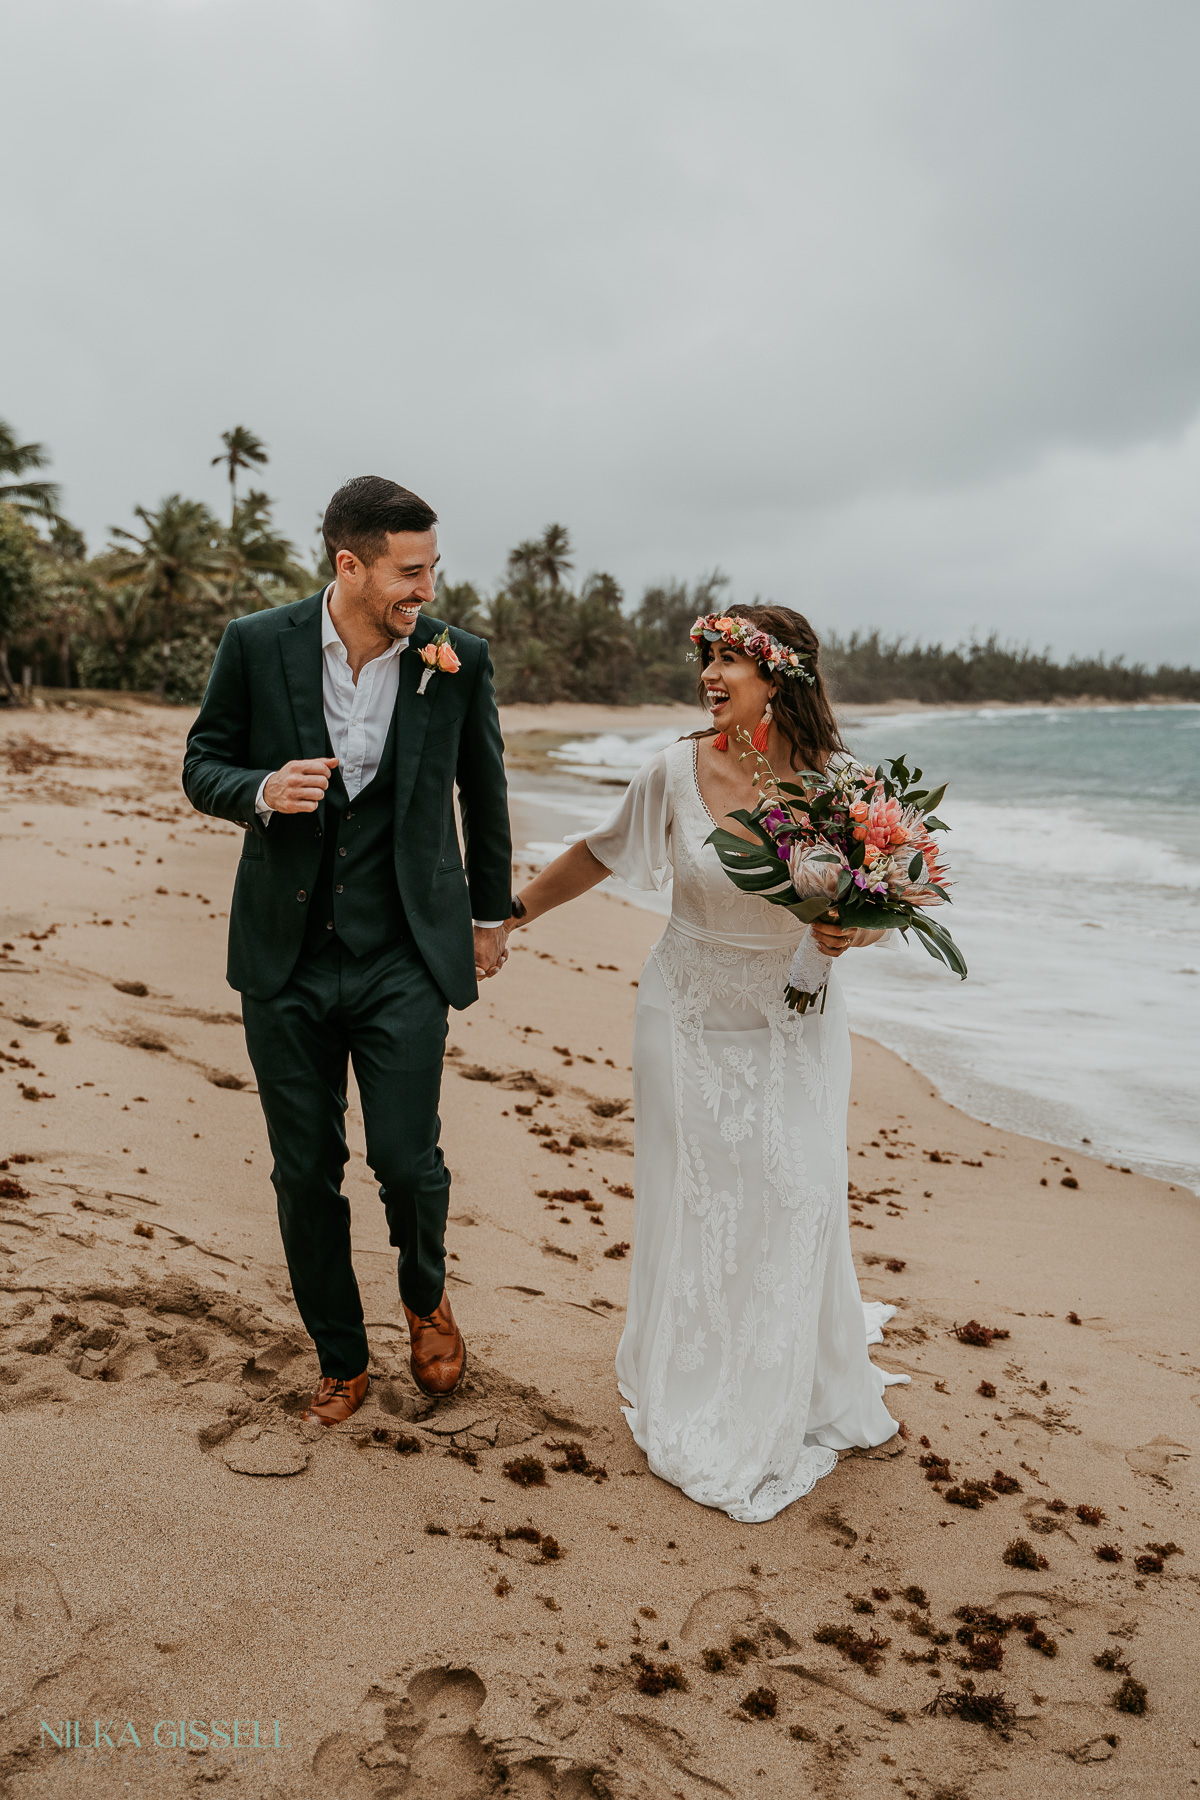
[(981, 1336), (1110, 1553), (1148, 1564), (1020, 1554), (1037, 1639), (916, 1596), (713, 1660), (1090, 1515), (526, 1471), (1113, 1660), (1005, 1484), (865, 1652), (980, 1618), (987, 1389), (656, 1678), (984, 1649), (924, 1628), (969, 1493), (1131, 1696), (573, 1460), (761, 1703), (993, 1709)]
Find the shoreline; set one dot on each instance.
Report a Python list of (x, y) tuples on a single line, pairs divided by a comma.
[(168, 1521), (582, 718)]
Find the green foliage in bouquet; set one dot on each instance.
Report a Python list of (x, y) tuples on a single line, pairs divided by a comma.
[(855, 844)]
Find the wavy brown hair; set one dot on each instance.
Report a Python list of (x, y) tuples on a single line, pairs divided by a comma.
[(802, 711)]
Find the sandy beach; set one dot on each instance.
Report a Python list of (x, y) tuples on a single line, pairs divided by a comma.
[(492, 1595)]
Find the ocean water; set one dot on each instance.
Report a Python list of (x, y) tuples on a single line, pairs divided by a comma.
[(1075, 854)]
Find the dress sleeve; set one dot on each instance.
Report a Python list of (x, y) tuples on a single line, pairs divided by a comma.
[(634, 843)]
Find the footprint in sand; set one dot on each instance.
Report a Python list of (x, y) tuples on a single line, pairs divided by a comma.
[(264, 1453), (1154, 1459), (432, 1740)]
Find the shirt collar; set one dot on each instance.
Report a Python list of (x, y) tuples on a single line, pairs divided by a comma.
[(331, 641)]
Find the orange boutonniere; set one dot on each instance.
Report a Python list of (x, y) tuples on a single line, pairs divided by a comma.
[(438, 655)]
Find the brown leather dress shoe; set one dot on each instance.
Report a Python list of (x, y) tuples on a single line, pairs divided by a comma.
[(439, 1354), (335, 1399)]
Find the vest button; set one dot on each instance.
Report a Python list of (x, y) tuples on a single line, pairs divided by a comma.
[(318, 831), (342, 850), (349, 815), (338, 888), (329, 924), (302, 895)]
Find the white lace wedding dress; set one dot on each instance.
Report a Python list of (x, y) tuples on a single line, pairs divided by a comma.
[(744, 1356)]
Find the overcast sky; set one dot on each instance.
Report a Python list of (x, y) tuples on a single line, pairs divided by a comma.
[(891, 308)]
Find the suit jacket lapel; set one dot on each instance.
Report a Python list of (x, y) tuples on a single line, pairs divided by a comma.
[(412, 714), (300, 649)]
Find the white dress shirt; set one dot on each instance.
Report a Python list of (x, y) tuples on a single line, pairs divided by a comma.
[(358, 714)]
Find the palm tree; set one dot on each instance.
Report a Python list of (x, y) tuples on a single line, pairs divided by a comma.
[(241, 449), (258, 550), (179, 560), (553, 555), (458, 603), (524, 563), (18, 584), (27, 496), (115, 619), (66, 588)]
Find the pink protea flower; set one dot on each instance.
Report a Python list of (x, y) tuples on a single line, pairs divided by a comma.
[(814, 869)]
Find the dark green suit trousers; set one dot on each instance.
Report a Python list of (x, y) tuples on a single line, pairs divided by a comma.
[(384, 1013)]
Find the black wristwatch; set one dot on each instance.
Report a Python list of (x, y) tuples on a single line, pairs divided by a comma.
[(518, 908)]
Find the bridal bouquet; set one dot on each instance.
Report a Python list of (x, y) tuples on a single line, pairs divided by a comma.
[(854, 839)]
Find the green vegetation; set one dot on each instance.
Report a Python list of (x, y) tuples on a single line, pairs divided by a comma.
[(146, 614)]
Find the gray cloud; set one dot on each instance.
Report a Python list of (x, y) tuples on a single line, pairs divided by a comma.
[(891, 310)]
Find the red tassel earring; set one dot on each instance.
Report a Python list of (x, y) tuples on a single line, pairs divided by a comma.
[(759, 739), (721, 741)]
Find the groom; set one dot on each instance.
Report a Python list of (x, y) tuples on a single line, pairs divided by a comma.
[(336, 746)]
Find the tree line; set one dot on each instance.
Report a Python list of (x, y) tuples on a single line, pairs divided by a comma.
[(145, 614)]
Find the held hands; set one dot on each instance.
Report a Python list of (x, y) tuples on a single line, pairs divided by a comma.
[(299, 787), (490, 953)]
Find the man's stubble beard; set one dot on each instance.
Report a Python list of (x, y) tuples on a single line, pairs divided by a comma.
[(381, 612)]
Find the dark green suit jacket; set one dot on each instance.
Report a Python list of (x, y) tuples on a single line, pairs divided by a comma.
[(263, 707)]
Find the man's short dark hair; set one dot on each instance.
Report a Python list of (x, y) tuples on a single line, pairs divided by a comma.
[(364, 511)]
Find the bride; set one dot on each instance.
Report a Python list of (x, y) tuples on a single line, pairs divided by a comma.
[(743, 1362)]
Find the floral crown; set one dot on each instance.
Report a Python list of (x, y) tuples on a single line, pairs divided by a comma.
[(751, 640)]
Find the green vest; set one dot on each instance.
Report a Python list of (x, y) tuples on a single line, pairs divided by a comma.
[(356, 897)]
